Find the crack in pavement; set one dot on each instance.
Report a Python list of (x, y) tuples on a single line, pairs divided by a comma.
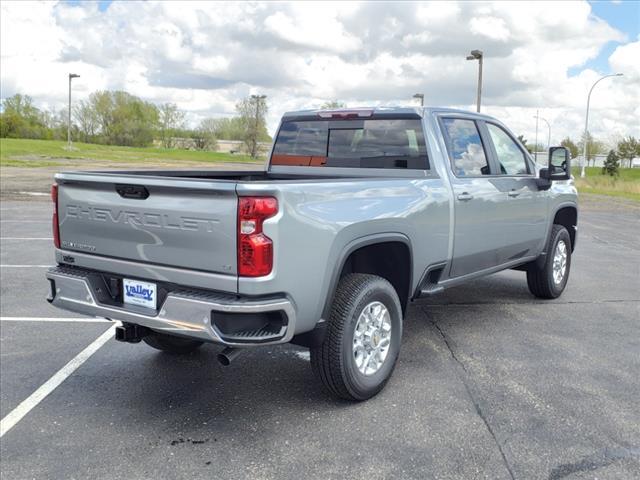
[(602, 458), (464, 377)]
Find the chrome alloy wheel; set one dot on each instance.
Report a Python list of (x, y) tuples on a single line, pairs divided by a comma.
[(372, 338), (559, 262)]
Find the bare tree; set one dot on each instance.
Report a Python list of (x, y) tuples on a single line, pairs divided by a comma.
[(252, 111), (170, 121), (87, 120), (205, 136), (333, 104), (594, 147), (628, 149)]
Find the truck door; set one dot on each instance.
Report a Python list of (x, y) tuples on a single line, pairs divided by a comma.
[(479, 224), (523, 205)]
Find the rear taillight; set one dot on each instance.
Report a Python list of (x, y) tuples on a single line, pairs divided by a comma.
[(255, 249), (55, 226)]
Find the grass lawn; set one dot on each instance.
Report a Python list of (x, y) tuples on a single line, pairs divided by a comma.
[(53, 153), (626, 185), (18, 152)]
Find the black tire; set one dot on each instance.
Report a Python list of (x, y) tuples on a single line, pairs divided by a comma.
[(334, 361), (540, 279), (171, 343)]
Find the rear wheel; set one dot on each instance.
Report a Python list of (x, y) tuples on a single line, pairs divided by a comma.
[(363, 338), (550, 280), (171, 344)]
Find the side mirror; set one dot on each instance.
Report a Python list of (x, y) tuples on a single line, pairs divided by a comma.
[(559, 165)]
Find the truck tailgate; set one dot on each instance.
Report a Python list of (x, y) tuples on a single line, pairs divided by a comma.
[(181, 223)]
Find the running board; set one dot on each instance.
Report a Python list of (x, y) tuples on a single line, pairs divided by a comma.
[(429, 283), (431, 290)]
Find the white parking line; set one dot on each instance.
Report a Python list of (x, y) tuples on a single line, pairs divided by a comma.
[(54, 319), (26, 238), (25, 266), (18, 413)]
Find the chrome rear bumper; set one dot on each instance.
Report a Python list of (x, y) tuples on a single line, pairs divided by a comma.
[(186, 313)]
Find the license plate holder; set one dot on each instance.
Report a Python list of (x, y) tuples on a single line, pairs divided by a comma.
[(142, 294)]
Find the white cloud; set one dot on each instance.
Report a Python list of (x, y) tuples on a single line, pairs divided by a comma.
[(205, 56), (491, 27), (626, 58)]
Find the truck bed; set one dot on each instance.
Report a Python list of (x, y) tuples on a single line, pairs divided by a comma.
[(221, 175), (184, 219)]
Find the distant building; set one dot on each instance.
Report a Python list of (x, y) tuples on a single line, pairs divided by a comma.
[(224, 146)]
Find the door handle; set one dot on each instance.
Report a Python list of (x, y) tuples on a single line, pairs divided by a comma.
[(464, 197), (513, 193)]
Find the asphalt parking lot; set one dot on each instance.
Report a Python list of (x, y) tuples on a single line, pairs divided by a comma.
[(491, 383)]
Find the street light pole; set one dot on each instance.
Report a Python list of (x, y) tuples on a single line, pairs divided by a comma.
[(478, 55), (421, 97), (548, 126), (586, 123), (71, 76), (535, 144)]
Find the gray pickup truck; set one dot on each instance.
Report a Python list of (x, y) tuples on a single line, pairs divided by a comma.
[(357, 213)]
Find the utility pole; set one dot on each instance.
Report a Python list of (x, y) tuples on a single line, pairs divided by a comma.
[(586, 123), (535, 146), (549, 127), (71, 76), (258, 99), (478, 55), (421, 97)]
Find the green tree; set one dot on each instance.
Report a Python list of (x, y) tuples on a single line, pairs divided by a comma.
[(594, 147), (205, 137), (171, 120), (232, 128), (252, 111), (86, 120), (21, 119), (611, 164), (628, 148), (124, 119), (330, 105), (571, 146)]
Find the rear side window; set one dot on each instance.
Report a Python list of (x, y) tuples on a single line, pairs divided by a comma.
[(511, 159), (376, 143), (465, 148)]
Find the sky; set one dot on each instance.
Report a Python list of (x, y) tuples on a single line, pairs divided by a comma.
[(206, 56)]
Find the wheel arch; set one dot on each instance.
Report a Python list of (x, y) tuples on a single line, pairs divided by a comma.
[(363, 256), (567, 216)]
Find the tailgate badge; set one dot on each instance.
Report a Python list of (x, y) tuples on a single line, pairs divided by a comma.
[(78, 246)]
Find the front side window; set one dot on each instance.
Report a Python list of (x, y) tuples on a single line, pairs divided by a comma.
[(376, 143), (465, 148), (511, 159)]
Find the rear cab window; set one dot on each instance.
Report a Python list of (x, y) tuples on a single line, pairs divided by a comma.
[(352, 143), (466, 151)]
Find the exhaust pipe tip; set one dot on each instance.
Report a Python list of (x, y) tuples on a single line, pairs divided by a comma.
[(228, 355)]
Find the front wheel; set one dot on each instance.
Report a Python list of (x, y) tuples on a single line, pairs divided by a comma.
[(550, 280), (363, 337)]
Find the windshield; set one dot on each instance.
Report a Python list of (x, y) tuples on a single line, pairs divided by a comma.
[(352, 143)]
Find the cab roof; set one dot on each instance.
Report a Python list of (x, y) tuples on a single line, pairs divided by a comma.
[(376, 112)]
